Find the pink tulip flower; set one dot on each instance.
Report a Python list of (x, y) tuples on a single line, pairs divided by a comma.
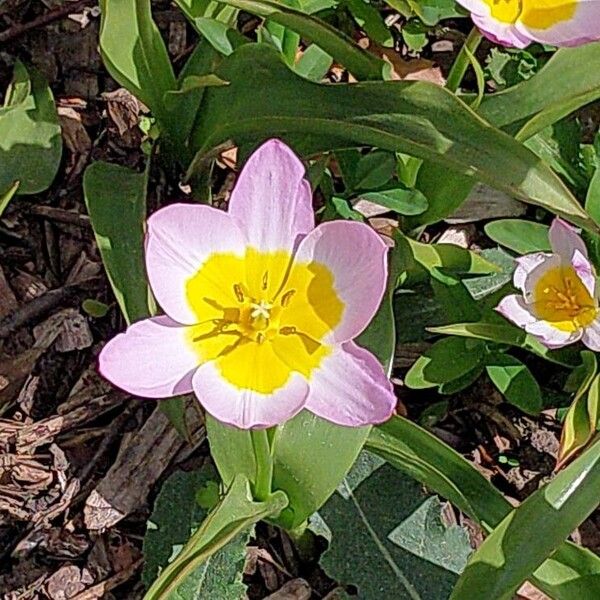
[(559, 301), (518, 23), (261, 308)]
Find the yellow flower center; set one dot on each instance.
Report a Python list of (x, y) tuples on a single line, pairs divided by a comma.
[(561, 298), (262, 317), (537, 14)]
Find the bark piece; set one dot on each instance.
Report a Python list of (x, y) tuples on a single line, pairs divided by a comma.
[(141, 461)]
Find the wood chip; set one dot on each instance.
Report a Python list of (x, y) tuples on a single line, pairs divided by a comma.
[(67, 582), (485, 203), (8, 301), (296, 589), (141, 460)]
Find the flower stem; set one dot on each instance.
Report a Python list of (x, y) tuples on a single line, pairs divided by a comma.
[(264, 463), (461, 64)]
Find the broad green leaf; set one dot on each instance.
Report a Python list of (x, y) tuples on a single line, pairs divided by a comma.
[(450, 258), (374, 170), (572, 573), (532, 532), (480, 287), (362, 64), (360, 553), (415, 118), (402, 200), (214, 21), (515, 382), (561, 87), (523, 237), (581, 420), (176, 516), (314, 63), (454, 298), (447, 360), (423, 533), (135, 55), (112, 190), (30, 139), (235, 514), (506, 333)]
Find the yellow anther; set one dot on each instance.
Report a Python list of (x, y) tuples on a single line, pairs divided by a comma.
[(285, 299), (239, 293)]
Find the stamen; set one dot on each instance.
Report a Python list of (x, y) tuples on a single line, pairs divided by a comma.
[(260, 337), (265, 280), (239, 293), (287, 330), (285, 299)]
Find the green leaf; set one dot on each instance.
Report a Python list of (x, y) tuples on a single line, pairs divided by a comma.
[(415, 118), (371, 21), (402, 200), (447, 360), (506, 333), (176, 516), (7, 196), (480, 287), (560, 88), (423, 533), (362, 64), (581, 420), (360, 553), (532, 532), (314, 63), (515, 382), (450, 259), (235, 514), (571, 574), (94, 308), (523, 237), (111, 190), (30, 139), (135, 55), (374, 170)]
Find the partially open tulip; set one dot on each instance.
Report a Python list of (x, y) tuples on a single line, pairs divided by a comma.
[(559, 301), (518, 23), (261, 308)]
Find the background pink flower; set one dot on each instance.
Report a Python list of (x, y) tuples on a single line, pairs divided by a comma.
[(559, 301)]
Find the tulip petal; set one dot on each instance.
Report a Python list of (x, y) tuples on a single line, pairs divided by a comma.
[(244, 408), (501, 33), (513, 307), (357, 259), (585, 271), (579, 29), (591, 336), (151, 359), (271, 201), (181, 237), (525, 265), (565, 240), (350, 388)]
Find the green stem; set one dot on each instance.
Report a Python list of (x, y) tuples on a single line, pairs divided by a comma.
[(264, 464), (462, 62)]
